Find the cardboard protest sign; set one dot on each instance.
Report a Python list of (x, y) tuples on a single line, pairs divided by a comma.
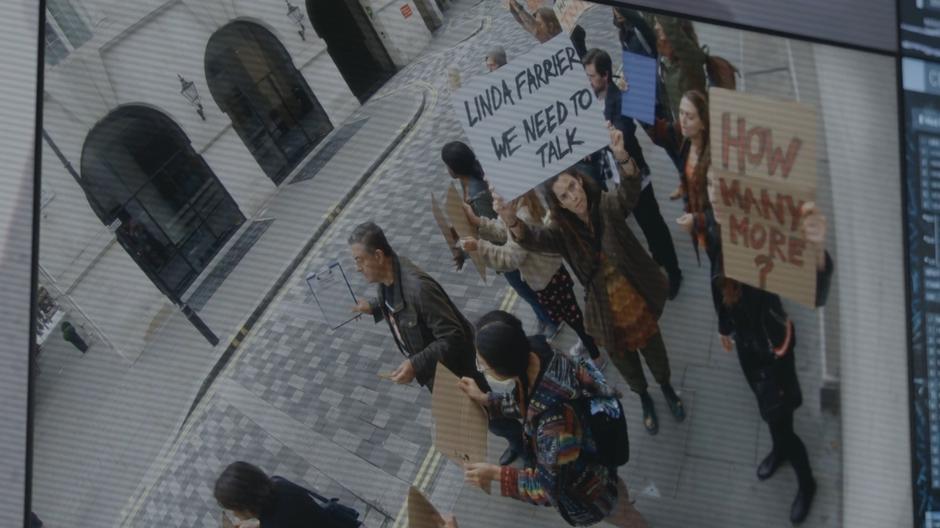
[(421, 513), (460, 425), (532, 118), (444, 225), (764, 169), (453, 205), (535, 4), (451, 235), (568, 12), (639, 99), (763, 137), (761, 239)]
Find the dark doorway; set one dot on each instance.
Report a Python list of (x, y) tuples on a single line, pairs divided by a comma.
[(253, 79), (428, 14), (353, 44), (171, 213)]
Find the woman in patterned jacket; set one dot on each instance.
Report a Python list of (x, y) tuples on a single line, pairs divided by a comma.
[(562, 466)]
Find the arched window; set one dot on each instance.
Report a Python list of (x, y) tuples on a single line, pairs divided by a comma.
[(253, 80), (353, 44), (141, 174)]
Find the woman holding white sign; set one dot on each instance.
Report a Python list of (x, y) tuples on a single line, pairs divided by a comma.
[(625, 290)]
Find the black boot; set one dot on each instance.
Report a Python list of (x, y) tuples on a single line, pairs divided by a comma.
[(769, 465), (649, 413), (675, 404), (801, 504)]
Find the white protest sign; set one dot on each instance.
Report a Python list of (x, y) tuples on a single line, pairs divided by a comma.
[(532, 118)]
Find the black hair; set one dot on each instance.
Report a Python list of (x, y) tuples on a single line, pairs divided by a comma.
[(372, 237), (461, 160), (502, 343), (565, 219), (600, 59), (244, 487), (500, 317)]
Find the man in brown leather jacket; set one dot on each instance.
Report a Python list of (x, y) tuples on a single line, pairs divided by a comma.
[(425, 323)]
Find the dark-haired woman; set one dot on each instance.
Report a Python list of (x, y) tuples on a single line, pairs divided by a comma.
[(754, 320), (692, 141), (562, 467), (462, 165), (246, 491), (624, 288), (695, 156)]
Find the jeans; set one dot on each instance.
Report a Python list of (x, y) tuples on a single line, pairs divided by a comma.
[(514, 278)]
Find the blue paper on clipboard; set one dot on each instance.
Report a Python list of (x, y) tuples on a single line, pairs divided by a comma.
[(333, 294), (639, 100)]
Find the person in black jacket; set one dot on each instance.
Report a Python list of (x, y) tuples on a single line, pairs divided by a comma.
[(426, 325), (754, 320), (598, 67), (249, 493)]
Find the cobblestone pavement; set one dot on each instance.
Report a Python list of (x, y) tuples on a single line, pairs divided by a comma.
[(304, 401)]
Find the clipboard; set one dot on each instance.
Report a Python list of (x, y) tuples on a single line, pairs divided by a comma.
[(333, 294)]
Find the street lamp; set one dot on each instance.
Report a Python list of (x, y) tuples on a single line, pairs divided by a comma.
[(188, 89), (297, 16)]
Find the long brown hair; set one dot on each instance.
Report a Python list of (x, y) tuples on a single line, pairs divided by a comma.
[(730, 291), (697, 188), (552, 25), (565, 219), (531, 201)]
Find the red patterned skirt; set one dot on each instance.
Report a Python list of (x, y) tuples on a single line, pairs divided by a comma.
[(559, 301)]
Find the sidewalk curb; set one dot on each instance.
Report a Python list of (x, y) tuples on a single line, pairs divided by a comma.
[(255, 315)]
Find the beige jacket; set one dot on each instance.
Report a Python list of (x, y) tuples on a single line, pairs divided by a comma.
[(502, 253)]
